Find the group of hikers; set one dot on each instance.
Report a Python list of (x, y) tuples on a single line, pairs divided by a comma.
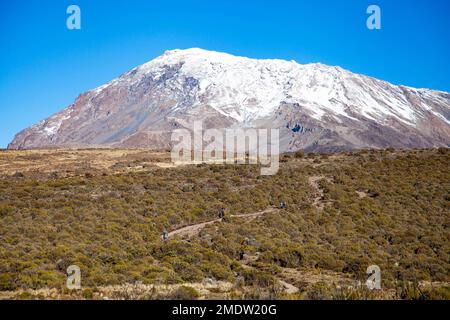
[(221, 215)]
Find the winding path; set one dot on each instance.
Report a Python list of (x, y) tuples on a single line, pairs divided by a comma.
[(195, 229), (314, 182), (318, 202)]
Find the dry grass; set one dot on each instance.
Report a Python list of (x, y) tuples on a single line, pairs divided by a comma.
[(68, 162)]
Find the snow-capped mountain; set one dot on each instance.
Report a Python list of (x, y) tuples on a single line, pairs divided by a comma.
[(317, 107)]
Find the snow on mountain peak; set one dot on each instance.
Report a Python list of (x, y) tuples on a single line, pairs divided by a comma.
[(341, 107), (246, 89)]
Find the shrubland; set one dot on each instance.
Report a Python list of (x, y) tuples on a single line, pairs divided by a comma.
[(380, 207)]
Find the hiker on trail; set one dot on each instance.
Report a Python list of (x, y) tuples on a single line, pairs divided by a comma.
[(165, 235), (283, 205), (221, 213), (241, 255)]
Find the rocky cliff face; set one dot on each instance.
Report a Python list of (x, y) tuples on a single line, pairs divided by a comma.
[(317, 107)]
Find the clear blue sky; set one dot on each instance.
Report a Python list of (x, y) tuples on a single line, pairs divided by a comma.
[(44, 66)]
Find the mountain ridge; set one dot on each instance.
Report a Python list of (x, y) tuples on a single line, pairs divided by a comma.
[(317, 107)]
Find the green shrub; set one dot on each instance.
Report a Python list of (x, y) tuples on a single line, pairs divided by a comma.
[(184, 293)]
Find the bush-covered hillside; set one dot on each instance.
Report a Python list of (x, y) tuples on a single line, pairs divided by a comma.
[(344, 212)]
